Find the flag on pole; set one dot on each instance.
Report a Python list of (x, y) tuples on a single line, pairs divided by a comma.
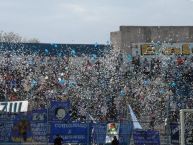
[(136, 124)]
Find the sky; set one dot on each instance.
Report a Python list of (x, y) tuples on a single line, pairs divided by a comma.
[(88, 21)]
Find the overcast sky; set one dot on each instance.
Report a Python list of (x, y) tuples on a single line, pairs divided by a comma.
[(88, 21)]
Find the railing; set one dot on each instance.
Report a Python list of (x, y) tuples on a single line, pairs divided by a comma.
[(164, 135)]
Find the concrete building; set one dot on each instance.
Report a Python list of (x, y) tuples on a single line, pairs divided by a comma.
[(129, 37)]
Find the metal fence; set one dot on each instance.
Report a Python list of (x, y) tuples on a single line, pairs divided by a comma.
[(164, 134)]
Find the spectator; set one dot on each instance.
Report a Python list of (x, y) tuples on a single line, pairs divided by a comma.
[(115, 141), (58, 140)]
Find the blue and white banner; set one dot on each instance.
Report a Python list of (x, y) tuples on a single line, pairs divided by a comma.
[(7, 117), (39, 115), (174, 129), (5, 131), (71, 133), (59, 111), (6, 125), (147, 137), (39, 132), (125, 132), (39, 126), (99, 133), (21, 130), (24, 127), (14, 106)]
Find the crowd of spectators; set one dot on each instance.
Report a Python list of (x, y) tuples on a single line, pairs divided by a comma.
[(155, 87), (162, 88)]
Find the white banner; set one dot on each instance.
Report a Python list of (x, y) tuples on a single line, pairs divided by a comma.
[(14, 106)]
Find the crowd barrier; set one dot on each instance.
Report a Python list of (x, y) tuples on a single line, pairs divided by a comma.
[(83, 134), (42, 127)]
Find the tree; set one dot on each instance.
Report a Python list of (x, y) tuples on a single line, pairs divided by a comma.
[(12, 37)]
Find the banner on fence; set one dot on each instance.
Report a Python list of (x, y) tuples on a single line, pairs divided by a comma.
[(4, 116), (99, 133), (59, 111), (21, 130), (5, 130), (39, 125), (14, 106), (174, 129), (6, 125), (112, 130), (149, 137), (39, 115), (125, 132), (71, 133)]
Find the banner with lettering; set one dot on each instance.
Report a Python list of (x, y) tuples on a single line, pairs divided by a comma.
[(167, 48), (39, 126), (4, 116), (14, 106), (174, 129), (71, 133), (39, 115), (6, 125), (147, 137), (59, 110), (5, 130)]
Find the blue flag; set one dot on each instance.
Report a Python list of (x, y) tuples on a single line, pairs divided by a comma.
[(59, 111)]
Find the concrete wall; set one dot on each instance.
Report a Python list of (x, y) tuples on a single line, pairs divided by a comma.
[(147, 34), (116, 39)]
